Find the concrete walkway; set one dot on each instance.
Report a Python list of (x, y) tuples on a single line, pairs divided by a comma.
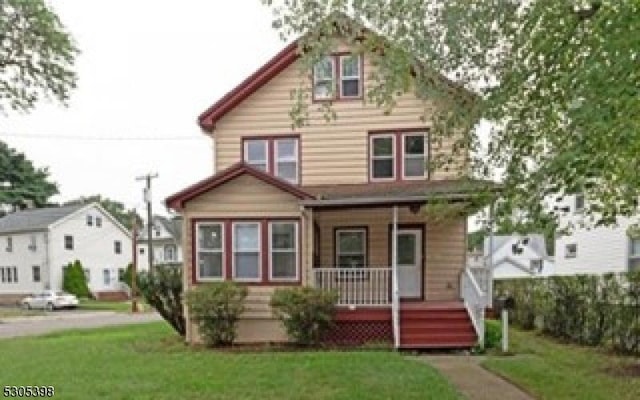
[(472, 380)]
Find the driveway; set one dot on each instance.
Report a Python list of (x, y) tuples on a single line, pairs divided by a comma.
[(63, 320)]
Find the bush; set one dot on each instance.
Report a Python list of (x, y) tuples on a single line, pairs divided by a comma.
[(305, 312), (162, 290), (216, 308), (492, 334), (74, 280)]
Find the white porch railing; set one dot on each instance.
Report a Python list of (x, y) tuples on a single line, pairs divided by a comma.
[(475, 301), (356, 286)]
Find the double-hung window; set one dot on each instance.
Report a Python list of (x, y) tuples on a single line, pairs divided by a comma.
[(634, 254), (89, 220), (210, 251), (278, 156), (246, 251), (283, 244), (324, 79), (398, 155), (106, 277), (350, 76), (351, 248), (414, 156), (382, 157), (36, 273)]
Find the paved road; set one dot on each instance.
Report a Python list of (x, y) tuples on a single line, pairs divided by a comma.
[(63, 320)]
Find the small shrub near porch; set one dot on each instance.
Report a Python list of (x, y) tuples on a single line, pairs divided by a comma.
[(216, 308), (306, 313)]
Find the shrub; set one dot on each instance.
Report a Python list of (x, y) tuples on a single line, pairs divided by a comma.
[(492, 334), (305, 312), (162, 290), (216, 308), (74, 280)]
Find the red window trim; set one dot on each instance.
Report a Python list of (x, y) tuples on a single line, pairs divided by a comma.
[(337, 75), (271, 158), (227, 258), (398, 153)]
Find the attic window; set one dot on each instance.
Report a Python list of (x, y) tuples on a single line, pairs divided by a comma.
[(571, 251), (89, 220), (323, 78), (98, 222), (350, 77), (345, 70)]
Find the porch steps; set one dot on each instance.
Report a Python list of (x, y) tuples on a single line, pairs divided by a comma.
[(435, 325)]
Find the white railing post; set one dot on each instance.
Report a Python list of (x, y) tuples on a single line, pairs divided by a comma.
[(475, 301), (395, 298)]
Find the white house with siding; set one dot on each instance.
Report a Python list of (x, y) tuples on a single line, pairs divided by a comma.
[(589, 250), (36, 244), (166, 242), (518, 256)]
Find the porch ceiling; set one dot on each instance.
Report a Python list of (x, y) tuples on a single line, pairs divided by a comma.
[(387, 193)]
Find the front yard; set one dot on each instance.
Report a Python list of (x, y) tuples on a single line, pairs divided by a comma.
[(552, 370), (150, 362)]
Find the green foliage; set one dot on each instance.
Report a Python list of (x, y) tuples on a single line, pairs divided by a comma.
[(216, 308), (555, 80), (36, 55), (492, 334), (586, 309), (306, 312), (162, 290), (74, 281), (113, 207), (26, 182)]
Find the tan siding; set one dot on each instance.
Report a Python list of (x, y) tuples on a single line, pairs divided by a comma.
[(444, 250), (333, 152)]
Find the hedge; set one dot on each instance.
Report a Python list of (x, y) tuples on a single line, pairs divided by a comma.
[(594, 310)]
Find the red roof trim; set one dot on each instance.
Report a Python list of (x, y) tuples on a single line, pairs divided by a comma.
[(277, 64), (178, 200)]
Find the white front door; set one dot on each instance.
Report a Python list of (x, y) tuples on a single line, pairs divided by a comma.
[(409, 263)]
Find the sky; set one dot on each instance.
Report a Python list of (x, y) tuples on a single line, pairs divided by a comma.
[(147, 70)]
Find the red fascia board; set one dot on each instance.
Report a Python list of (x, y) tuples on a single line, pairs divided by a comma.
[(177, 201), (277, 64)]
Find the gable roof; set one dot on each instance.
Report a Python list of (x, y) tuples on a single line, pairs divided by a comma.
[(178, 200), (173, 226), (535, 242), (37, 219)]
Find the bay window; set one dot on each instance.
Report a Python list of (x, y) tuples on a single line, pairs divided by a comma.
[(283, 245), (246, 251), (351, 248), (209, 251)]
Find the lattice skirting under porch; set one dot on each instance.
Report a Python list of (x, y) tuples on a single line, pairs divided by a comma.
[(355, 333)]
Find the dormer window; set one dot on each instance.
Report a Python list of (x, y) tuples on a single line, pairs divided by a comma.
[(278, 156), (338, 77)]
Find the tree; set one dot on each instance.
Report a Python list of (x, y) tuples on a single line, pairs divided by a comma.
[(74, 280), (26, 182), (162, 290), (36, 55), (113, 207), (557, 80)]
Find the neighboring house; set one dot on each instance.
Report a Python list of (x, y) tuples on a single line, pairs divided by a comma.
[(517, 256), (588, 250), (319, 205), (36, 245), (166, 241)]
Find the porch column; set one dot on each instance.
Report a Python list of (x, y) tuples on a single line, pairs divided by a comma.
[(306, 269), (395, 296)]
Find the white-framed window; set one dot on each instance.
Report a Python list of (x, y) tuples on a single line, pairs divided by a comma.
[(9, 275), (535, 266), (634, 254), (15, 274), (68, 242), (106, 277), (35, 271), (89, 220), (350, 76), (87, 274), (571, 250), (9, 244), (210, 251), (98, 222), (351, 247), (3, 277), (117, 247), (246, 251), (414, 155), (324, 78), (169, 252), (579, 202), (286, 159), (33, 243), (382, 161), (121, 272), (283, 251), (256, 153)]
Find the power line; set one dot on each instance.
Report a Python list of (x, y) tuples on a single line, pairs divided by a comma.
[(95, 138)]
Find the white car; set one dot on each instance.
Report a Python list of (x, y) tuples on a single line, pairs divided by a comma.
[(50, 300)]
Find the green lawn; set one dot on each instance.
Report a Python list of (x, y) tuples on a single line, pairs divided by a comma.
[(150, 362), (553, 370), (97, 305)]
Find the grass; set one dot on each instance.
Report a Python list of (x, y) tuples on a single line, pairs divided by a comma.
[(150, 362), (552, 370), (97, 305)]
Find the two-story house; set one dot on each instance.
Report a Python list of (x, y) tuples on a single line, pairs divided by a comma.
[(166, 242), (337, 205), (36, 245)]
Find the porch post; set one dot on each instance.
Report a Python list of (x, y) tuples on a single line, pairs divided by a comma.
[(395, 298)]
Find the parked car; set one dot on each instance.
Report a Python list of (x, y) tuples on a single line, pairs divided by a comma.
[(50, 300)]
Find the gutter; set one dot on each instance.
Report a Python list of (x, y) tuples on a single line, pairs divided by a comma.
[(385, 200)]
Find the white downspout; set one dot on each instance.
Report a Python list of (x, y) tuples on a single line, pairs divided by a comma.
[(395, 299)]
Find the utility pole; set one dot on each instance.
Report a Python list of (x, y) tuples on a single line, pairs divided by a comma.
[(147, 198), (134, 262)]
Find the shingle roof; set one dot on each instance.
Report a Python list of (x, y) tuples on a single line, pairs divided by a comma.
[(35, 219)]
